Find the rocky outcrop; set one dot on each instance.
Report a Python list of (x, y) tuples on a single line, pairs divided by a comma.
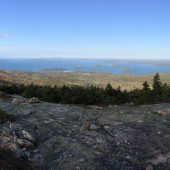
[(33, 100), (57, 136), (19, 141)]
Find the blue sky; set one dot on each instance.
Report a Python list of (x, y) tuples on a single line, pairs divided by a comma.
[(85, 28)]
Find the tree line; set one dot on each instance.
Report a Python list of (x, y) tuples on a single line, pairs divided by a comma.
[(90, 95)]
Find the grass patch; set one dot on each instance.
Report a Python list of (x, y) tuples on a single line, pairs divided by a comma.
[(5, 117)]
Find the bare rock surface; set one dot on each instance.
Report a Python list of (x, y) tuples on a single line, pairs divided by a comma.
[(58, 136)]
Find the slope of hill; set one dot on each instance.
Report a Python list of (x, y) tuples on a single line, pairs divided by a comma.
[(58, 136)]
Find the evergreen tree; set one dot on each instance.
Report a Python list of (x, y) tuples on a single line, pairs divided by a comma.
[(146, 86), (156, 83), (109, 89), (145, 94), (157, 88)]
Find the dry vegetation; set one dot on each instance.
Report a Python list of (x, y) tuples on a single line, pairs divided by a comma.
[(78, 78)]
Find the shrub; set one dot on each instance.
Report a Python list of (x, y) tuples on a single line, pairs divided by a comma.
[(4, 116)]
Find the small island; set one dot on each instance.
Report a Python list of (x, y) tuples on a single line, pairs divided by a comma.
[(54, 70)]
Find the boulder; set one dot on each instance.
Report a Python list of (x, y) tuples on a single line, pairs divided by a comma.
[(28, 136), (33, 100), (94, 127), (27, 112), (18, 100), (23, 143)]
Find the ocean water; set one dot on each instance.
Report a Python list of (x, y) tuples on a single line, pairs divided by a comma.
[(134, 67)]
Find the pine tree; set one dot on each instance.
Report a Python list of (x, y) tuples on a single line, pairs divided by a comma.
[(146, 86), (157, 88), (109, 89), (156, 83), (145, 94)]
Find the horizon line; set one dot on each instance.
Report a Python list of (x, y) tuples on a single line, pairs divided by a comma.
[(103, 58)]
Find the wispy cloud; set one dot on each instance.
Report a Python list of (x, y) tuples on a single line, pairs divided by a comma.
[(4, 35)]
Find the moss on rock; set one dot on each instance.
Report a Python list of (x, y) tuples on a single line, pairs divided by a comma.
[(4, 116)]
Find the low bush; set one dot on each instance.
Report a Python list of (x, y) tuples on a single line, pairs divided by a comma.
[(4, 116)]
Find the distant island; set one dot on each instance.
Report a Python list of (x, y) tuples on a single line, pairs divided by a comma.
[(54, 70), (127, 70), (115, 65)]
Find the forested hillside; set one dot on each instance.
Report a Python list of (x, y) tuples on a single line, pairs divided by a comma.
[(157, 93)]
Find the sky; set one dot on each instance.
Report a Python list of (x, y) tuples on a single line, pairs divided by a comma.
[(138, 29)]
